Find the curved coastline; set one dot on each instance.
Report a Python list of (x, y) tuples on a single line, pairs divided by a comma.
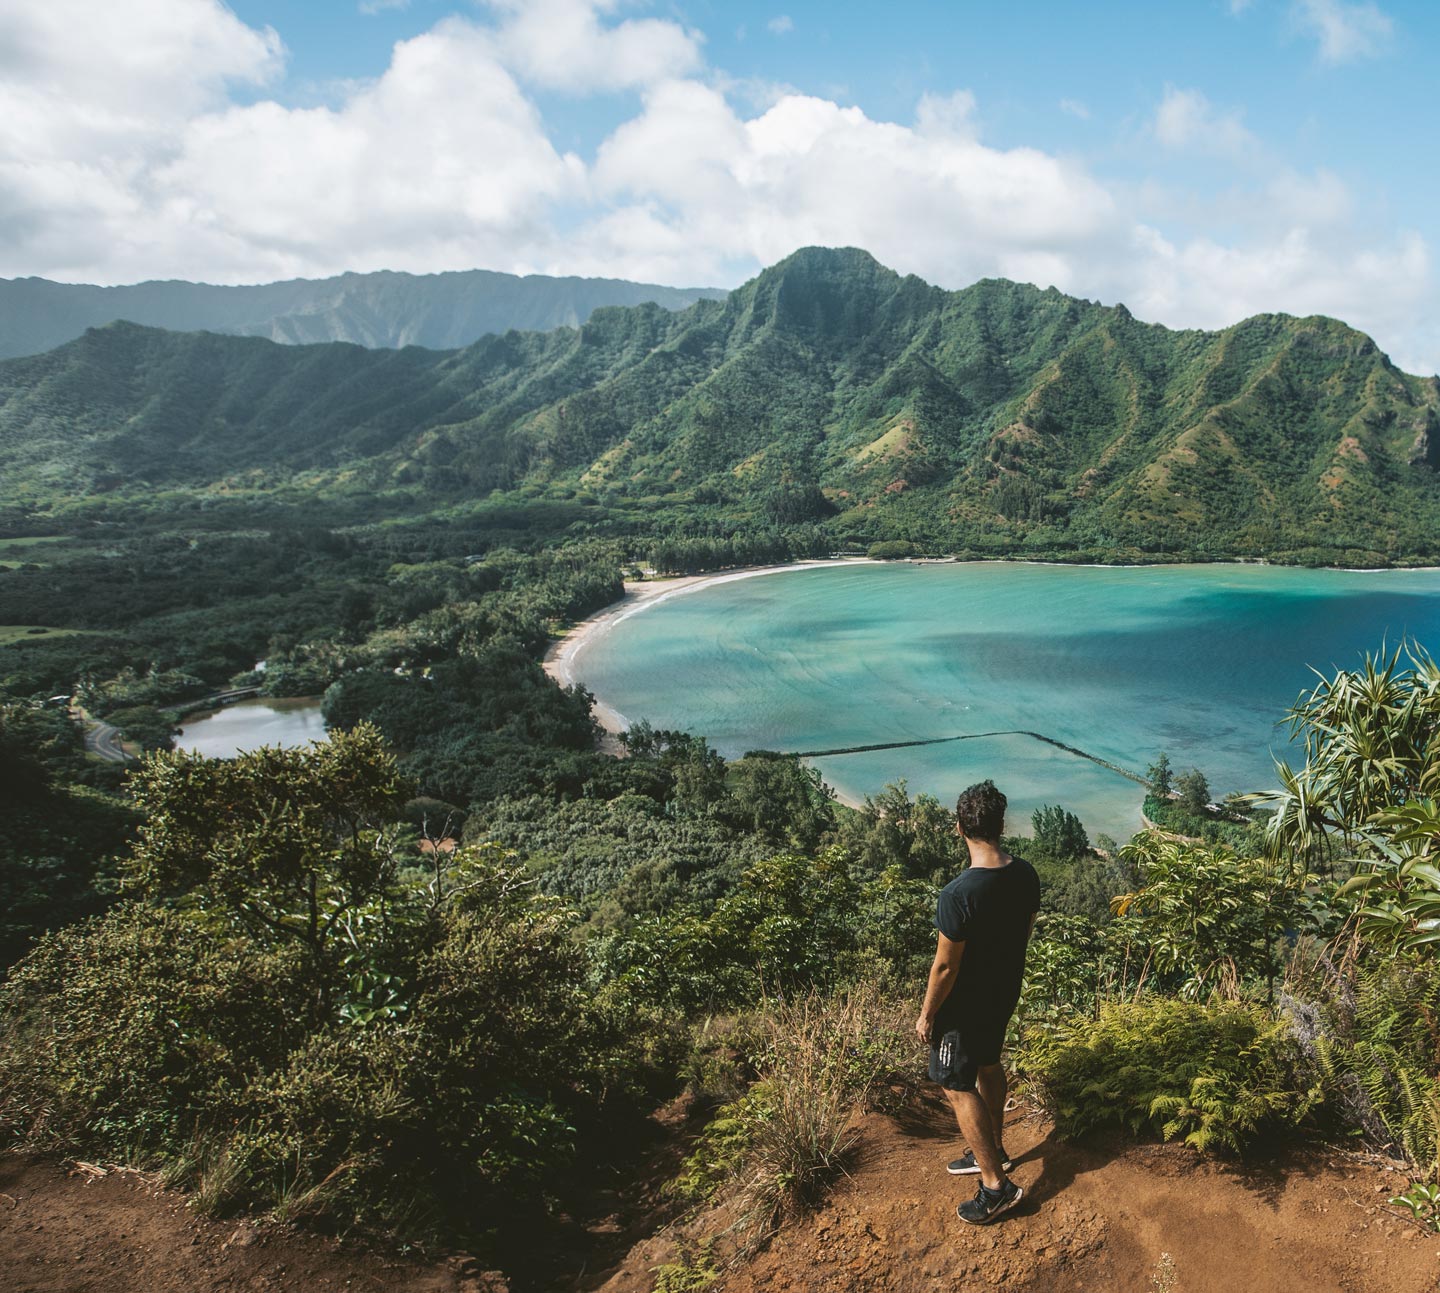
[(566, 663), (562, 654)]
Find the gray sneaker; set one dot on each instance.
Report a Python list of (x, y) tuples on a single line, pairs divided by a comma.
[(967, 1166)]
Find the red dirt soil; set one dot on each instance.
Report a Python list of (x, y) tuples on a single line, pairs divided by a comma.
[(1094, 1217), (75, 1231)]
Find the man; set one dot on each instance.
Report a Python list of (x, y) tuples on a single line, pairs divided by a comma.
[(984, 918)]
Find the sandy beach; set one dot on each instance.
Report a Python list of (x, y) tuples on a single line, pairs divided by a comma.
[(562, 659)]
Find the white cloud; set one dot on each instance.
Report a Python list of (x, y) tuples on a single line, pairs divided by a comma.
[(929, 199), (1187, 121), (91, 97), (1203, 283), (563, 45), (1075, 108), (952, 115), (1344, 31), (124, 154), (442, 159), (781, 24)]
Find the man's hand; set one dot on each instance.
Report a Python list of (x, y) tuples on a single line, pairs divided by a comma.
[(937, 988)]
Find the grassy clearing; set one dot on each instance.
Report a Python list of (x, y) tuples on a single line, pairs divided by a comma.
[(10, 634), (31, 541), (15, 553)]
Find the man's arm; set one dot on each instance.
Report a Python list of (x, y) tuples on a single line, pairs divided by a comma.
[(942, 978)]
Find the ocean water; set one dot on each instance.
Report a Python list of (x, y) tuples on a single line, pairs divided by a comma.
[(1124, 662)]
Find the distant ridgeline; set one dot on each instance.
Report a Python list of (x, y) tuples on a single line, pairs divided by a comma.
[(387, 309), (999, 419)]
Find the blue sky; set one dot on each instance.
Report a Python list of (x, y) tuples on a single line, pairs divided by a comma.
[(1200, 161)]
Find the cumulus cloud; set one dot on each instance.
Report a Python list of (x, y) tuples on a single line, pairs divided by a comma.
[(91, 96), (926, 198), (563, 45), (1344, 31), (442, 158), (126, 152), (1186, 120)]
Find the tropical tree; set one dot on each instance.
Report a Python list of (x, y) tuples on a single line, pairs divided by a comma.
[(1369, 739), (1207, 916), (290, 846), (1160, 777), (1059, 832), (1194, 792)]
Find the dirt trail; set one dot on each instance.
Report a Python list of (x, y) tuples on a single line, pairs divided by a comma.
[(70, 1232), (1095, 1218)]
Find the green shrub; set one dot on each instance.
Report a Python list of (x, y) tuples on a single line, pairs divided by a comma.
[(891, 550), (140, 1028), (156, 1034), (1216, 1075)]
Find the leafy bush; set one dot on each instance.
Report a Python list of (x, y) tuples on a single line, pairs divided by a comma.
[(309, 1023), (792, 923), (1207, 918), (891, 550), (141, 1028), (1217, 1075)]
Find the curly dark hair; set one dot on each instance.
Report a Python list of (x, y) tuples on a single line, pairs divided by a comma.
[(980, 811)]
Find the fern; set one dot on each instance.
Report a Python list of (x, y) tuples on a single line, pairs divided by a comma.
[(1216, 1076), (1376, 1054)]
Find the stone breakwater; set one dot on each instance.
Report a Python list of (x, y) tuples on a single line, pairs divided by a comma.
[(975, 736)]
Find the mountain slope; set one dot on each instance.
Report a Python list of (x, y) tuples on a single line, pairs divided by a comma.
[(999, 418), (382, 309)]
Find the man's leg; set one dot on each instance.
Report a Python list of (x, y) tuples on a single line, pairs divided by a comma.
[(973, 1115), (991, 1082)]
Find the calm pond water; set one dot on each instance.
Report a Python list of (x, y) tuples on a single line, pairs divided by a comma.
[(1198, 661), (249, 724)]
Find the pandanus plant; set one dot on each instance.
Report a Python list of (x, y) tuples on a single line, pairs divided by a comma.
[(1370, 783)]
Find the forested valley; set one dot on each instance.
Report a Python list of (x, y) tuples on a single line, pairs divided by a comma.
[(417, 981)]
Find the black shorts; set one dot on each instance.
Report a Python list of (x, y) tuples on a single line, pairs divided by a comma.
[(957, 1054)]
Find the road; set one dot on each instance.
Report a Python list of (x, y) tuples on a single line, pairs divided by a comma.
[(103, 740)]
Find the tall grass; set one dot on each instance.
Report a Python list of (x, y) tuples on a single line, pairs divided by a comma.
[(819, 1062)]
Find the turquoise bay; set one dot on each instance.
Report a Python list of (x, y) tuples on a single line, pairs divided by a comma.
[(1122, 662)]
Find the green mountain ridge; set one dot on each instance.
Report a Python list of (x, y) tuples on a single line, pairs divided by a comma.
[(384, 309), (995, 419)]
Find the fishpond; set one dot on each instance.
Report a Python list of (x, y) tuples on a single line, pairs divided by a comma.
[(1120, 662), (250, 724)]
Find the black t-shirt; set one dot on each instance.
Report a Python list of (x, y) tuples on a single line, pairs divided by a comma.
[(989, 910)]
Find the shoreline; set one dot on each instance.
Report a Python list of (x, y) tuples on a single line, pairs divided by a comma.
[(560, 655), (560, 660)]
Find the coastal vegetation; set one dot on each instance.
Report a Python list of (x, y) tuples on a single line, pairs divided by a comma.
[(425, 977)]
